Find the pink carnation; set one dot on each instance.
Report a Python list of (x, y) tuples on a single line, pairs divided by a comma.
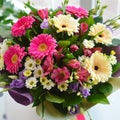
[(13, 58), (74, 48), (83, 74), (60, 75), (79, 12), (48, 65), (41, 46), (74, 64), (20, 27), (43, 13)]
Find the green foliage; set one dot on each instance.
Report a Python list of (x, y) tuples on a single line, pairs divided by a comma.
[(64, 43), (71, 99), (98, 98), (116, 67), (54, 98)]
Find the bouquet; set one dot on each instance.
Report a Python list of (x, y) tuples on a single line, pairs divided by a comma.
[(66, 58)]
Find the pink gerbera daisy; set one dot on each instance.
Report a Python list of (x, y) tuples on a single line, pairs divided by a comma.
[(79, 12), (60, 75), (19, 28), (13, 57), (41, 46)]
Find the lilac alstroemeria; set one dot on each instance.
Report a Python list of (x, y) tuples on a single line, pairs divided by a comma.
[(18, 83), (74, 87), (85, 92), (21, 76), (74, 110), (44, 24)]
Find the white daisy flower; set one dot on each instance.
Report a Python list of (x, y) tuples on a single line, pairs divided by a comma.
[(49, 84), (112, 59), (38, 72), (62, 87), (31, 82), (1, 62), (43, 80), (88, 43), (30, 64)]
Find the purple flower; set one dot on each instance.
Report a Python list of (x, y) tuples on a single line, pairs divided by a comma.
[(44, 24), (21, 76), (85, 92), (74, 87), (74, 110), (18, 83)]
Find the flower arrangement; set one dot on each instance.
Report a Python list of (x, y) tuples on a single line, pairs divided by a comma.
[(65, 56)]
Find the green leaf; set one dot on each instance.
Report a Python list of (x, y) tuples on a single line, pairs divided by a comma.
[(70, 56), (1, 3), (54, 98), (72, 99), (98, 19), (105, 88), (115, 42), (31, 8), (98, 98), (73, 39), (116, 67), (64, 43)]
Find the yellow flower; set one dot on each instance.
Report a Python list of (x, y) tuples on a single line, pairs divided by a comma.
[(101, 33), (65, 23), (38, 62), (27, 73), (43, 80), (99, 67)]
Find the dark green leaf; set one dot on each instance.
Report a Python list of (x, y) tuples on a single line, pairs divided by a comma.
[(116, 67), (98, 98), (72, 99), (115, 42), (73, 39), (1, 3), (105, 88), (64, 43), (98, 19), (54, 98)]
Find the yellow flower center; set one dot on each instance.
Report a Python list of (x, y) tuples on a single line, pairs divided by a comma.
[(14, 58), (42, 47)]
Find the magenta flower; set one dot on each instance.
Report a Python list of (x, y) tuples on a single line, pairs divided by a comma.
[(83, 27), (41, 46), (20, 27), (60, 75), (48, 65), (83, 74), (74, 64), (73, 48), (87, 52), (79, 12), (43, 13), (13, 58)]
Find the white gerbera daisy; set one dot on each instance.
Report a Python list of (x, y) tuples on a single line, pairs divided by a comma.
[(31, 82), (101, 33), (38, 72), (99, 67), (88, 43), (62, 87), (30, 64), (65, 23)]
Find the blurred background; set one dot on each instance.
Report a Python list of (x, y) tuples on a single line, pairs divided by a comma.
[(10, 110)]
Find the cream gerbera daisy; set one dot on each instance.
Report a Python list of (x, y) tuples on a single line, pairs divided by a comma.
[(99, 67), (101, 33), (65, 23)]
